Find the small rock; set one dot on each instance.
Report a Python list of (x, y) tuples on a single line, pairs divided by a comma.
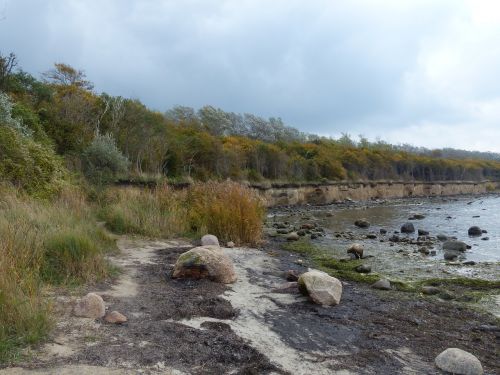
[(114, 317), (314, 236), (424, 250), (371, 236), (321, 288), (209, 240), (442, 237), (362, 223), (292, 236), (407, 228), (230, 244), (382, 284), (485, 238), (290, 287), (356, 249), (283, 231), (363, 268), (474, 231), (307, 226), (430, 290), (459, 362), (383, 231), (291, 275), (90, 306), (422, 232), (451, 255), (469, 263), (455, 246), (417, 217)]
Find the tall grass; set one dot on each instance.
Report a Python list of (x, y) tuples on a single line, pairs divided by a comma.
[(228, 210), (160, 212), (41, 243)]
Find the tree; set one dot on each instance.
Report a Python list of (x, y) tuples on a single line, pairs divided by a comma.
[(7, 65), (65, 75)]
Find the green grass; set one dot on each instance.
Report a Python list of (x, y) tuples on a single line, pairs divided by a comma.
[(345, 269), (43, 243)]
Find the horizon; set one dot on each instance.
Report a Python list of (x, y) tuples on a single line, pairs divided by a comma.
[(401, 72)]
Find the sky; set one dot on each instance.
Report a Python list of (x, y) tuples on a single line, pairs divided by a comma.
[(423, 72)]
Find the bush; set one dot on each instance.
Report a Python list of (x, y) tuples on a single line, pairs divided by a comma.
[(228, 210), (23, 162), (103, 161)]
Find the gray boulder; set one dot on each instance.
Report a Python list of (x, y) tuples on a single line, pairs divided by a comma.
[(382, 284), (209, 240), (475, 231), (293, 236), (320, 287), (459, 362), (442, 237), (362, 223), (451, 255), (407, 228), (455, 246)]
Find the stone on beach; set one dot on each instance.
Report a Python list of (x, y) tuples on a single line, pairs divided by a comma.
[(455, 246), (90, 306), (209, 240), (382, 284), (459, 362), (114, 317), (205, 262), (320, 287), (474, 231), (407, 228), (356, 249), (362, 223)]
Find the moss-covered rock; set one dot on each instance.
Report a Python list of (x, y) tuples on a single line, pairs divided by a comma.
[(208, 262)]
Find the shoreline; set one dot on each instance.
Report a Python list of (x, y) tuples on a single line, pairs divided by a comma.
[(257, 325)]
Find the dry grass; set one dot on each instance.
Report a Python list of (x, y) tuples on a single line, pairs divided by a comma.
[(228, 209), (42, 242), (160, 212)]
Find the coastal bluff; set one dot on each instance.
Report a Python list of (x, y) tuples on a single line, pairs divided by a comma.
[(281, 194)]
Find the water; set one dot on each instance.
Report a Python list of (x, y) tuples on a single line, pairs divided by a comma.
[(450, 216)]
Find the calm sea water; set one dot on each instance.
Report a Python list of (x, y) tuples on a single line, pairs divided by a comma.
[(451, 217), (448, 216)]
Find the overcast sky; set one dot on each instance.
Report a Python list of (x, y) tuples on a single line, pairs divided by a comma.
[(425, 72)]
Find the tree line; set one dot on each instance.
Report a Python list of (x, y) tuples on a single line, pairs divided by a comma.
[(104, 136)]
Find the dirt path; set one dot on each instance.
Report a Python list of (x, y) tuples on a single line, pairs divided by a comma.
[(200, 327)]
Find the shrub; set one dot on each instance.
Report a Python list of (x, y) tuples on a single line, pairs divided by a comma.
[(102, 160), (228, 210)]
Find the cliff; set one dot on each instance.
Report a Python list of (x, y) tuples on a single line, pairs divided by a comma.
[(294, 194)]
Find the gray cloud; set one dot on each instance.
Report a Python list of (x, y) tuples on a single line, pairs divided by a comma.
[(416, 71)]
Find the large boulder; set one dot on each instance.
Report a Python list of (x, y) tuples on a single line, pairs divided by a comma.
[(475, 231), (407, 228), (90, 306), (356, 249), (209, 240), (459, 362), (455, 246), (208, 262), (321, 288)]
